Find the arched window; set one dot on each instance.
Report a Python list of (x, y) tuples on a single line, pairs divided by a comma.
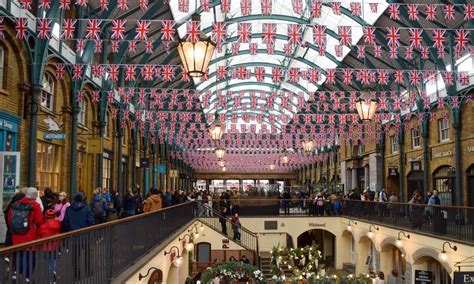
[(2, 63), (81, 117), (47, 92)]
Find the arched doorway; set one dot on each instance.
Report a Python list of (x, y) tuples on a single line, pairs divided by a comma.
[(444, 179), (325, 241), (414, 182), (348, 244), (368, 258), (393, 263), (393, 180), (439, 273), (156, 277)]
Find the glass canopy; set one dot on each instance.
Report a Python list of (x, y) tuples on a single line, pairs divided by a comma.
[(303, 56)]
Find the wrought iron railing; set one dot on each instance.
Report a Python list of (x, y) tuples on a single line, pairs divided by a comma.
[(453, 222), (92, 255), (224, 225)]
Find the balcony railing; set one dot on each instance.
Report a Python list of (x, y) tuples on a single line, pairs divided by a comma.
[(448, 221), (92, 255)]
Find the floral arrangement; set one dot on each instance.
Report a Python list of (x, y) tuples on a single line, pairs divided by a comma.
[(232, 271), (303, 262), (317, 279)]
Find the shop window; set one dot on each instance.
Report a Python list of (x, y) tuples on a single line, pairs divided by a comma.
[(2, 63), (444, 182), (47, 92), (443, 127), (394, 144), (107, 173), (81, 117), (48, 165), (415, 138)]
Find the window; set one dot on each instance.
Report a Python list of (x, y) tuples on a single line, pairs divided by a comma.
[(106, 126), (444, 180), (394, 143), (107, 172), (360, 149), (47, 92), (81, 117), (2, 63), (443, 128), (415, 138), (48, 164)]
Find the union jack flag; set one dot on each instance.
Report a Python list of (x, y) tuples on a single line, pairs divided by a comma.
[(64, 4), (21, 26), (331, 76), (221, 72), (448, 78), (148, 71), (377, 51), (110, 97), (414, 77), (356, 9), (97, 70), (295, 34), (104, 5), (122, 4), (2, 28), (345, 35), (80, 43), (130, 72), (455, 102), (260, 74), (253, 48), (430, 11), (373, 7), (68, 28), (225, 6), (313, 75), (95, 96), (115, 46), (347, 76), (183, 6), (219, 32), (168, 30), (297, 6), (143, 4), (97, 46), (167, 73), (149, 46), (269, 33), (449, 12), (80, 96), (360, 51), (60, 71), (25, 4), (393, 36), (118, 29), (399, 78), (439, 38), (415, 37), (193, 30), (132, 47), (294, 75), (44, 28), (245, 7), (319, 35), (93, 29), (461, 39), (244, 31), (77, 72), (394, 11), (266, 7), (205, 5), (113, 72), (463, 78), (468, 12), (316, 8), (413, 12), (142, 29)]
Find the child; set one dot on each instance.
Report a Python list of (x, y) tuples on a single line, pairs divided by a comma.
[(50, 227)]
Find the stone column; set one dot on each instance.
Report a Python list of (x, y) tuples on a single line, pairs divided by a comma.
[(354, 178), (366, 177)]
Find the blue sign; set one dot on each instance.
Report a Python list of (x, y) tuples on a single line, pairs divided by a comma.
[(50, 136), (162, 168)]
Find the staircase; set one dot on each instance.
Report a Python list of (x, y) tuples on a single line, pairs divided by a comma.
[(266, 265), (248, 239)]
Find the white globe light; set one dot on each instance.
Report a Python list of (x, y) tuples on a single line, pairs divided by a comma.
[(443, 256), (370, 234), (178, 261), (399, 243), (189, 246), (349, 228)]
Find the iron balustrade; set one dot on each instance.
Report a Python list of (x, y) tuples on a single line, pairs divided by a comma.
[(213, 219), (454, 222), (95, 254)]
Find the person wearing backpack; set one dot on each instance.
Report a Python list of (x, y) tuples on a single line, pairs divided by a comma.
[(99, 207), (117, 201), (24, 218), (78, 215), (319, 202), (17, 197)]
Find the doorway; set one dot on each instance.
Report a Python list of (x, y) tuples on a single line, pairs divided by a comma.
[(324, 239), (414, 182)]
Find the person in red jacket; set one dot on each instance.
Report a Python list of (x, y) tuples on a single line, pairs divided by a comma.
[(30, 230), (50, 227)]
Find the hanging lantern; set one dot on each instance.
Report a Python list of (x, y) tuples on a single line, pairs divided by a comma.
[(216, 129), (308, 146), (224, 169), (221, 163), (272, 167), (366, 106), (196, 55), (219, 152)]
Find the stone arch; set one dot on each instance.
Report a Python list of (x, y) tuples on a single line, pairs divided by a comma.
[(16, 48), (430, 252), (324, 238), (392, 260), (367, 256), (391, 241)]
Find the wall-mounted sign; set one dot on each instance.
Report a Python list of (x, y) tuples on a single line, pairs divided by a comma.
[(51, 136), (414, 159), (392, 171), (174, 173), (144, 162), (443, 154), (464, 277), (423, 277), (94, 145), (416, 166), (162, 169), (7, 125), (225, 243), (317, 225)]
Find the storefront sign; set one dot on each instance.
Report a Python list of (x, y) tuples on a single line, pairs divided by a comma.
[(94, 145), (50, 136), (463, 277), (392, 171), (415, 166), (225, 243), (443, 154), (317, 225), (174, 173), (7, 125), (414, 159), (423, 277)]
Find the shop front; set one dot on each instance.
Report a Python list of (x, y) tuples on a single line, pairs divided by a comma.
[(48, 161), (444, 181), (415, 179)]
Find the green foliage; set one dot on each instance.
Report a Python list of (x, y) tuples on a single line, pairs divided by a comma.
[(302, 262), (233, 270)]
